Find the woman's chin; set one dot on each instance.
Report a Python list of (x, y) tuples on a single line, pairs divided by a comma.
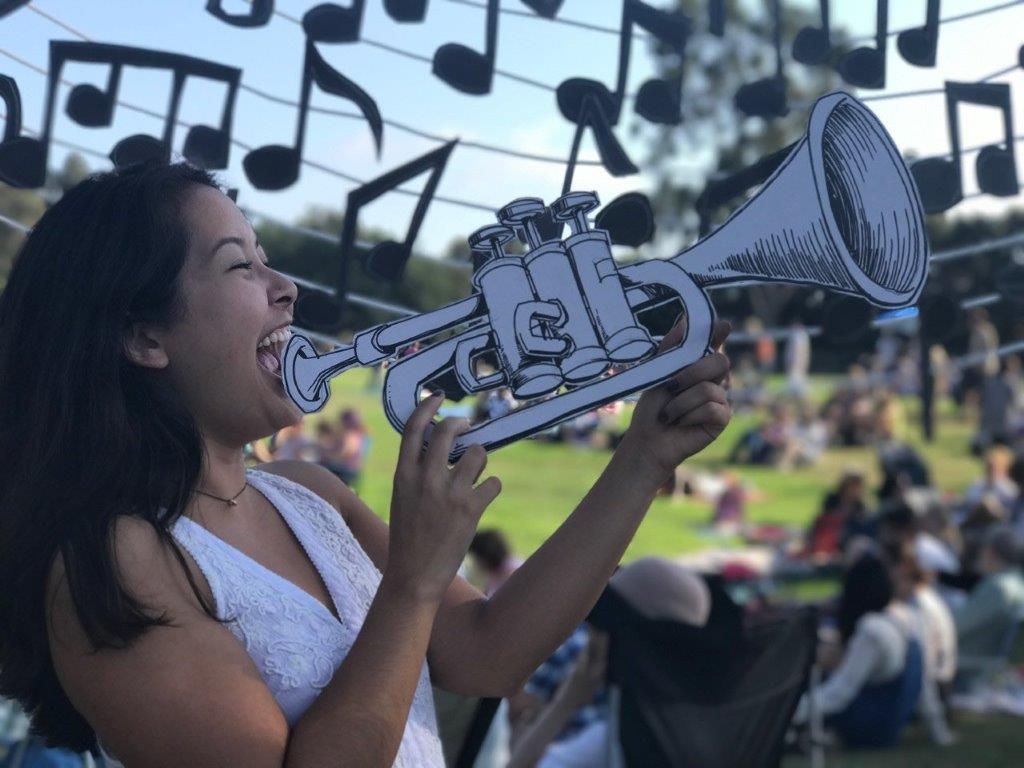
[(290, 413)]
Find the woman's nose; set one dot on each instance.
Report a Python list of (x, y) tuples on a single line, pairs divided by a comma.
[(284, 290)]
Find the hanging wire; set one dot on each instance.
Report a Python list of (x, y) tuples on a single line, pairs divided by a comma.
[(355, 298), (470, 204), (641, 35), (484, 146)]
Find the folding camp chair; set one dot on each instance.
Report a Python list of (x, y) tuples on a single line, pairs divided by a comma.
[(720, 696)]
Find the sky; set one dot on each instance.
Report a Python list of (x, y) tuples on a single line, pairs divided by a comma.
[(515, 115)]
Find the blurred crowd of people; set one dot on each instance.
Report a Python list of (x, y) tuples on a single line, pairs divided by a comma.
[(340, 445)]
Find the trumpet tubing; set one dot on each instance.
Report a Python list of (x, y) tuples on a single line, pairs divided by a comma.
[(841, 212)]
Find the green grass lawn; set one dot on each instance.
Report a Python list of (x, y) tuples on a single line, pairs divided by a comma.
[(544, 482)]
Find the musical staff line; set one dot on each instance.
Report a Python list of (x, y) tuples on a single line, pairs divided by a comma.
[(941, 256), (428, 59), (355, 298), (640, 35), (630, 95), (483, 146), (371, 303), (404, 127), (469, 204)]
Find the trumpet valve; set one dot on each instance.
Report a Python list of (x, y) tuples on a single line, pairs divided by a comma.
[(488, 243), (573, 208), (521, 215), (629, 345)]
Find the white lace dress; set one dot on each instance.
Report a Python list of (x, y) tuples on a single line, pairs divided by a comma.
[(295, 642)]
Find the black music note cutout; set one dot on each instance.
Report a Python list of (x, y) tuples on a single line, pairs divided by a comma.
[(258, 15), (10, 6), (939, 180), (716, 17), (628, 219), (330, 23), (719, 190), (658, 100), (613, 156), (387, 260), (12, 141), (317, 310), (865, 66), (467, 70), (406, 11), (813, 45), (546, 8), (276, 166), (91, 106), (917, 46), (766, 97)]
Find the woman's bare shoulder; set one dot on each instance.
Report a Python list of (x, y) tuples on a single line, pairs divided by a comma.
[(186, 688), (145, 570)]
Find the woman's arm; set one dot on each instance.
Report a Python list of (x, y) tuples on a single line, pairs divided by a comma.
[(489, 647), (434, 513)]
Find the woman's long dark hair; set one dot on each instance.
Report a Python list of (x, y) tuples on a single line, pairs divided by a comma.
[(86, 436), (867, 588)]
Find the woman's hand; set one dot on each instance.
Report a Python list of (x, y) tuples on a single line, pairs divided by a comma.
[(685, 414), (434, 509)]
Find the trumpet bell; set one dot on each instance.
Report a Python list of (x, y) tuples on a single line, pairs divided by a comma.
[(842, 212)]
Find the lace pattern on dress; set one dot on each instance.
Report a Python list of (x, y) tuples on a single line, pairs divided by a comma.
[(294, 641)]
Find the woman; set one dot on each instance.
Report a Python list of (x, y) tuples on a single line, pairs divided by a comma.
[(875, 689), (186, 611)]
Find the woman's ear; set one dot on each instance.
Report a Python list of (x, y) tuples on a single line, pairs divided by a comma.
[(143, 348)]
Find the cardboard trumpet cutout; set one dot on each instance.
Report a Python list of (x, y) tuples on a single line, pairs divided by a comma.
[(841, 212)]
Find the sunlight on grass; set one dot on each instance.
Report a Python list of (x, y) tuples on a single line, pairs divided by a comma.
[(543, 483)]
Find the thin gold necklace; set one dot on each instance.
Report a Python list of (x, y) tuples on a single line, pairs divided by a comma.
[(231, 501)]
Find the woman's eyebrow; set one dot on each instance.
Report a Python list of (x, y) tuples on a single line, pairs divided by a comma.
[(227, 241)]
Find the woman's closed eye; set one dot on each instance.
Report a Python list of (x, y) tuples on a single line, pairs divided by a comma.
[(248, 264)]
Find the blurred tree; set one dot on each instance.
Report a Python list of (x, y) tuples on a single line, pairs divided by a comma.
[(428, 283), (73, 171), (715, 139), (24, 206)]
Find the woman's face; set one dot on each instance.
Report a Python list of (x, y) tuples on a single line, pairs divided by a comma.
[(232, 302)]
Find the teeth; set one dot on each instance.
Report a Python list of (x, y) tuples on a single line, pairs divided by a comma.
[(277, 336)]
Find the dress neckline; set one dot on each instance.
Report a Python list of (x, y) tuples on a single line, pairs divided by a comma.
[(271, 495)]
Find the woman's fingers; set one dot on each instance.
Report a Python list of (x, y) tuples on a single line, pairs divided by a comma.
[(719, 334), (412, 435), (710, 414), (487, 491), (692, 398), (441, 440), (709, 368), (470, 466), (675, 335)]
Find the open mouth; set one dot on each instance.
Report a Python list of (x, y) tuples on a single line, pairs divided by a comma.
[(268, 351)]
